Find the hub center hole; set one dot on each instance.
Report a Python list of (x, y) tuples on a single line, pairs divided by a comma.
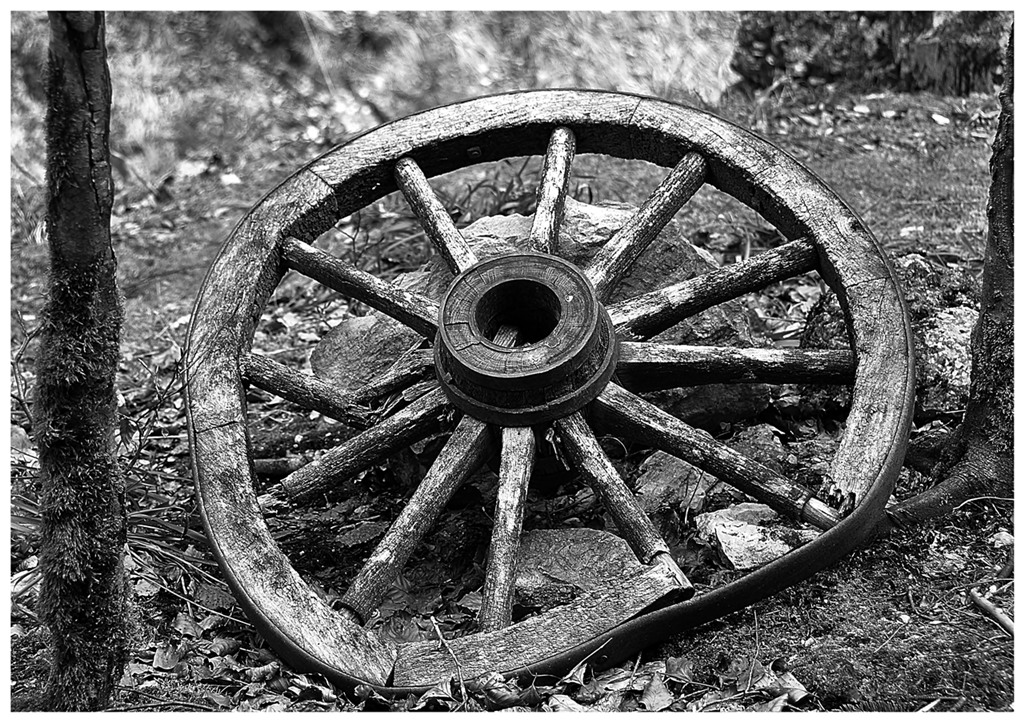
[(530, 306)]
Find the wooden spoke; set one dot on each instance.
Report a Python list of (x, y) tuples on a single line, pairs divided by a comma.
[(638, 419), (307, 391), (650, 314), (554, 185), (435, 219), (467, 448), (411, 424), (518, 446), (409, 368), (634, 524), (610, 264), (651, 366), (415, 311)]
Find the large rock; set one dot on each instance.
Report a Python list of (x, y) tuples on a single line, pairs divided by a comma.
[(943, 306), (349, 361), (359, 348), (668, 484)]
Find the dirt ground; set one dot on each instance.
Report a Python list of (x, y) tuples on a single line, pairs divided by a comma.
[(890, 628)]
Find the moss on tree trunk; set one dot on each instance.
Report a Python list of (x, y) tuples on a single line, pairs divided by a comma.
[(979, 462), (82, 596)]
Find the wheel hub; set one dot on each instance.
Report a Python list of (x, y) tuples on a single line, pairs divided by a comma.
[(565, 349)]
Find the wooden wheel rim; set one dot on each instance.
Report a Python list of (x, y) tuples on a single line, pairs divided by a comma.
[(302, 628)]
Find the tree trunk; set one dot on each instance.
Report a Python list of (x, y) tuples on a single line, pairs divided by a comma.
[(82, 595), (979, 462)]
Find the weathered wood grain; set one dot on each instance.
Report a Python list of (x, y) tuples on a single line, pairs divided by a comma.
[(306, 391), (616, 256), (466, 449), (538, 638), (652, 366), (411, 424), (263, 580), (433, 217), (650, 314), (635, 418), (415, 311), (518, 447), (305, 631), (880, 410), (410, 367), (632, 521), (554, 185)]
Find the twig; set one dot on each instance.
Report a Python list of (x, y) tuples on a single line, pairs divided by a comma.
[(887, 640), (983, 498), (458, 665), (733, 698), (757, 652), (155, 581), (992, 612), (160, 702), (632, 674)]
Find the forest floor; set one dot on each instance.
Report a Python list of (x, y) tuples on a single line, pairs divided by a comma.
[(891, 627)]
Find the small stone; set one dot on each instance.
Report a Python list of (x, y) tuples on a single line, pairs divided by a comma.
[(744, 541), (1001, 539)]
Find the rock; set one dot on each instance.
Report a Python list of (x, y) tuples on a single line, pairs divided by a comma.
[(556, 565), (761, 443), (359, 348), (741, 534), (943, 306), (1001, 539), (668, 484)]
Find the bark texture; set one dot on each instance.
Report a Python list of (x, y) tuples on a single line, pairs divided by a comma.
[(82, 597), (979, 461)]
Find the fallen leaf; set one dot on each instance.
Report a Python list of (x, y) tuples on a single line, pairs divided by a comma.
[(656, 696), (214, 596), (563, 703), (778, 704), (371, 700), (222, 646), (440, 695), (940, 119), (145, 588), (679, 669), (263, 673), (166, 657), (221, 700), (793, 687), (186, 625)]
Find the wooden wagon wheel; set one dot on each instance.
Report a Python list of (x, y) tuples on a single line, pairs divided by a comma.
[(525, 342)]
